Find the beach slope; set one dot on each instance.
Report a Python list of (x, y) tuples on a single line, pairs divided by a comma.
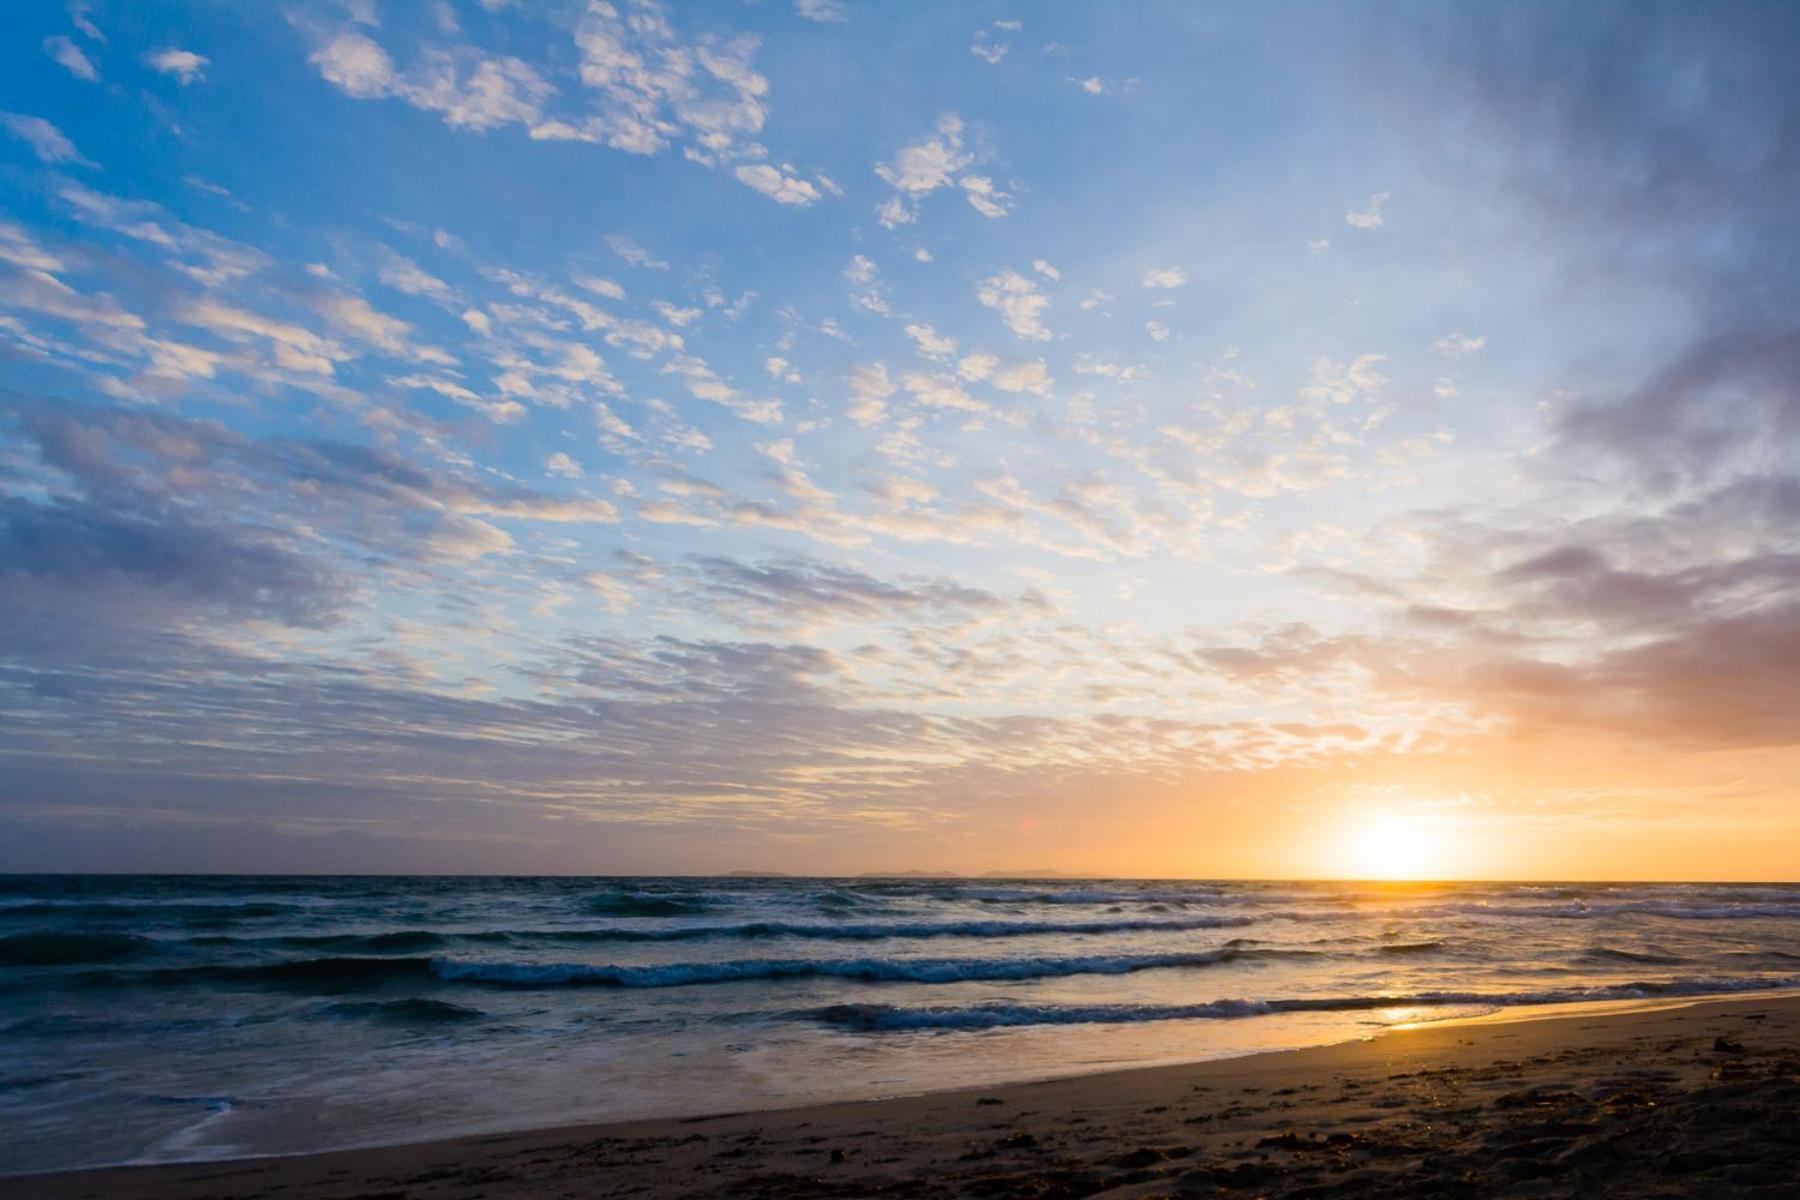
[(1700, 1101)]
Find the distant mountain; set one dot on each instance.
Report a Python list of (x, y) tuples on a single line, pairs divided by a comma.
[(909, 875)]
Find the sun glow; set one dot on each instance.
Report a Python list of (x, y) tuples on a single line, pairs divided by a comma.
[(1387, 846)]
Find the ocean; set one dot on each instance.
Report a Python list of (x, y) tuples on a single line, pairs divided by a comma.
[(159, 1018)]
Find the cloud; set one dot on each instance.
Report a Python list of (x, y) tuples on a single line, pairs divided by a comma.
[(1370, 217), (984, 197), (931, 164), (134, 571), (1457, 345), (937, 162), (1165, 277), (653, 88), (468, 91), (829, 12), (870, 388), (1033, 377), (773, 183), (940, 391), (634, 254), (1019, 303), (930, 342), (987, 49), (801, 591), (185, 65), (404, 275), (70, 57), (46, 141)]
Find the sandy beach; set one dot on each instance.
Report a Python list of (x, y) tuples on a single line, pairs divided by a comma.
[(1697, 1101)]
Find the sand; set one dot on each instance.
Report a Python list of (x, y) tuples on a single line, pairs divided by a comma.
[(1701, 1101)]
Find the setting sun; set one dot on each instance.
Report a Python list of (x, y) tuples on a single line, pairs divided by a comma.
[(1394, 847)]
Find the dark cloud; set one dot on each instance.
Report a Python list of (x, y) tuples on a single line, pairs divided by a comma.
[(65, 563), (1661, 144)]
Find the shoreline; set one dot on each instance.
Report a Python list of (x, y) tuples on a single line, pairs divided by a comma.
[(788, 1149)]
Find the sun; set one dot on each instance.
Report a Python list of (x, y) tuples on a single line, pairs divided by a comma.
[(1386, 846)]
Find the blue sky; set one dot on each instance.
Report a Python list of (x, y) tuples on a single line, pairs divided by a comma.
[(573, 436)]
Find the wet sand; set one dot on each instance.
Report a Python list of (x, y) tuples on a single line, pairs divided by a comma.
[(1701, 1101)]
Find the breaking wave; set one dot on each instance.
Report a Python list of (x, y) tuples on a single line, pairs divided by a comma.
[(875, 1018)]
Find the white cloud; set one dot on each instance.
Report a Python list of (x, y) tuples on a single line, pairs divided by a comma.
[(1157, 330), (937, 162), (941, 391), (1370, 217), (404, 275), (361, 320), (987, 49), (561, 464), (829, 12), (653, 88), (675, 316), (894, 212), (931, 164), (600, 287), (867, 293), (1340, 383), (185, 65), (46, 140), (1165, 277), (870, 388), (468, 91), (779, 186), (931, 343), (1042, 267), (978, 366), (861, 270), (634, 254), (984, 197), (1033, 377), (69, 57), (1458, 345), (1091, 85), (1019, 303)]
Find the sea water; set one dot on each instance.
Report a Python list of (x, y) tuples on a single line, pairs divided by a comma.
[(164, 1018)]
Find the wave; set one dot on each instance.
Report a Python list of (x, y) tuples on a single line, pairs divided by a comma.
[(878, 931), (197, 912), (991, 895), (867, 970), (1410, 947), (1612, 954), (46, 949), (338, 973), (879, 1018), (333, 973), (400, 941), (648, 904), (1622, 908), (414, 1010), (404, 941)]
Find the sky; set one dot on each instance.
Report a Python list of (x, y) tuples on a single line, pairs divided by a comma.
[(1143, 438)]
